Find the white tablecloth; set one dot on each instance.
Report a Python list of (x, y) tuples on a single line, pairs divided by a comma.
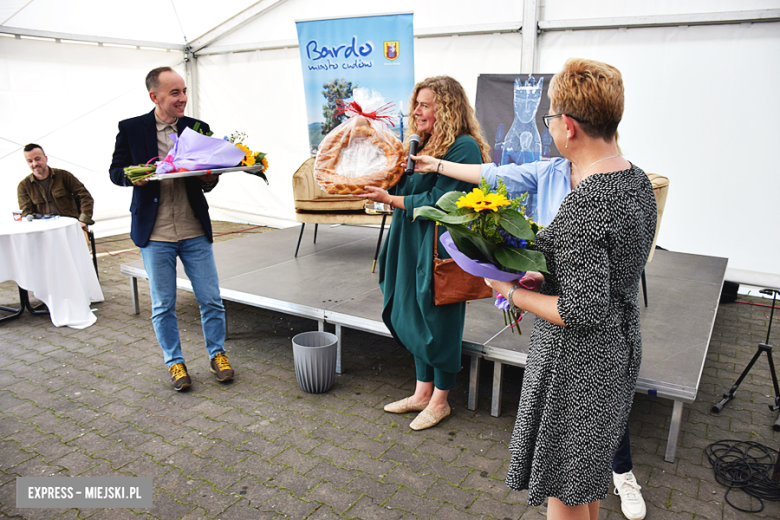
[(50, 259)]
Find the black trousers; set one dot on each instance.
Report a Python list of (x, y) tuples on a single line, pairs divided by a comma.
[(622, 461)]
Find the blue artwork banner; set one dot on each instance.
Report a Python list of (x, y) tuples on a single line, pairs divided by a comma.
[(510, 107), (341, 54)]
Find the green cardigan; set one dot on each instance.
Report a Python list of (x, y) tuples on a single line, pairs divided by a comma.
[(430, 332)]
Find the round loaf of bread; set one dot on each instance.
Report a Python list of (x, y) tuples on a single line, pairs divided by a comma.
[(348, 159)]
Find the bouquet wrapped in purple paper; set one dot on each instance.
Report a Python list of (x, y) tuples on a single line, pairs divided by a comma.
[(488, 234), (195, 151)]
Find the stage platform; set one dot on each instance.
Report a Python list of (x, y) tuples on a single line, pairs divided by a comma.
[(331, 281)]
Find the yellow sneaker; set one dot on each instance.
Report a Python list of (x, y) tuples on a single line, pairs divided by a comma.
[(221, 367), (180, 379)]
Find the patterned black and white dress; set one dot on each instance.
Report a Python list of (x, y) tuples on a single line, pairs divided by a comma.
[(579, 382)]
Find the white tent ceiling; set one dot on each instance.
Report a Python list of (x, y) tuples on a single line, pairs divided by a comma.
[(168, 21), (700, 109)]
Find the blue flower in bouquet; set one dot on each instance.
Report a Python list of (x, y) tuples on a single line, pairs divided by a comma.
[(512, 240), (511, 318), (501, 302)]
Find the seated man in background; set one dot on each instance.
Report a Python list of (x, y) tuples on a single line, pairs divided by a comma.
[(52, 191)]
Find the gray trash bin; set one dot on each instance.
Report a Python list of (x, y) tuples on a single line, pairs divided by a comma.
[(315, 360)]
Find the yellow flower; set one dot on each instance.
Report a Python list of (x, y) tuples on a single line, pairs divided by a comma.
[(478, 201), (249, 157), (265, 164)]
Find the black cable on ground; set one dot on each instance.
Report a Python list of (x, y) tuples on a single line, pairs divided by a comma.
[(747, 466)]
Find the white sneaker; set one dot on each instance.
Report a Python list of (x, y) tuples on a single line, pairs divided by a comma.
[(631, 501)]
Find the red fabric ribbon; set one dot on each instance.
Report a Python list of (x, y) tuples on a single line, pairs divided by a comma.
[(357, 110)]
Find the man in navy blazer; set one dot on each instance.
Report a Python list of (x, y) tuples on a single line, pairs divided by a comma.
[(170, 219)]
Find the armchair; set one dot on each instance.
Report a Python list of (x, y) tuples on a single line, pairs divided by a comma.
[(661, 189), (315, 206)]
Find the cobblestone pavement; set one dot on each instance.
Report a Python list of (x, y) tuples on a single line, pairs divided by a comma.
[(97, 402)]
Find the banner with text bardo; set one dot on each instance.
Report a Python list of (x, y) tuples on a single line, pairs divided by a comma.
[(341, 54)]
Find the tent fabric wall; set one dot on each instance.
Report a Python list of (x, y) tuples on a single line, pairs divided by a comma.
[(699, 109), (149, 20), (700, 102), (278, 24), (571, 9), (260, 93), (69, 98)]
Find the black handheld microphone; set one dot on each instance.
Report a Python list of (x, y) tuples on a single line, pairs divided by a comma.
[(414, 142)]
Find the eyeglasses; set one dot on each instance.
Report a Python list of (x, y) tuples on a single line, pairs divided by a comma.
[(546, 118)]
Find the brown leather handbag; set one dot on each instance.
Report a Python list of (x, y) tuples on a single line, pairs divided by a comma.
[(451, 284)]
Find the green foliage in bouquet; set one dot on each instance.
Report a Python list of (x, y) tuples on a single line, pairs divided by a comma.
[(488, 227), (197, 128)]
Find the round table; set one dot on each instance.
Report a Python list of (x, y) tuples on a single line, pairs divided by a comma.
[(49, 257)]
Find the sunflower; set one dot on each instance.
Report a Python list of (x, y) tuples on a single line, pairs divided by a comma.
[(249, 157), (478, 201), (265, 164)]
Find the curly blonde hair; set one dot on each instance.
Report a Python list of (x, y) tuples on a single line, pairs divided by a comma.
[(454, 117)]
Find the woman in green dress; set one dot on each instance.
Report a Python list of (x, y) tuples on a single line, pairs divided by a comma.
[(443, 118)]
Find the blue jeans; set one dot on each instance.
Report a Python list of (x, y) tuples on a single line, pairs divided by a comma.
[(197, 257)]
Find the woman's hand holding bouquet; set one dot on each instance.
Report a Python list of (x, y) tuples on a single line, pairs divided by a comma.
[(488, 236)]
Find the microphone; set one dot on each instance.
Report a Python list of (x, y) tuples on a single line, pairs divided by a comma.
[(414, 142)]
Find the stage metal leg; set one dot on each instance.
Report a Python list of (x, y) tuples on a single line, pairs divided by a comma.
[(674, 431), (300, 235), (315, 232), (379, 242), (338, 349), (474, 383), (498, 383), (134, 295), (644, 286)]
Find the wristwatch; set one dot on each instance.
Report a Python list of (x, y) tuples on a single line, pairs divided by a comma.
[(510, 298)]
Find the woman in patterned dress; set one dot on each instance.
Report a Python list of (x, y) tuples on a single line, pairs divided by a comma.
[(585, 348), (443, 118)]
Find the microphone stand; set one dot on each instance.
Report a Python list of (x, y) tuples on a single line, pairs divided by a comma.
[(762, 347)]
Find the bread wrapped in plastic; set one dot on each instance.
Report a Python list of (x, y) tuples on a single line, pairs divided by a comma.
[(360, 151)]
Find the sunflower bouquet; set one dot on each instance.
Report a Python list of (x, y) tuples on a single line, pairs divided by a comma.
[(488, 235), (197, 152), (250, 158)]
